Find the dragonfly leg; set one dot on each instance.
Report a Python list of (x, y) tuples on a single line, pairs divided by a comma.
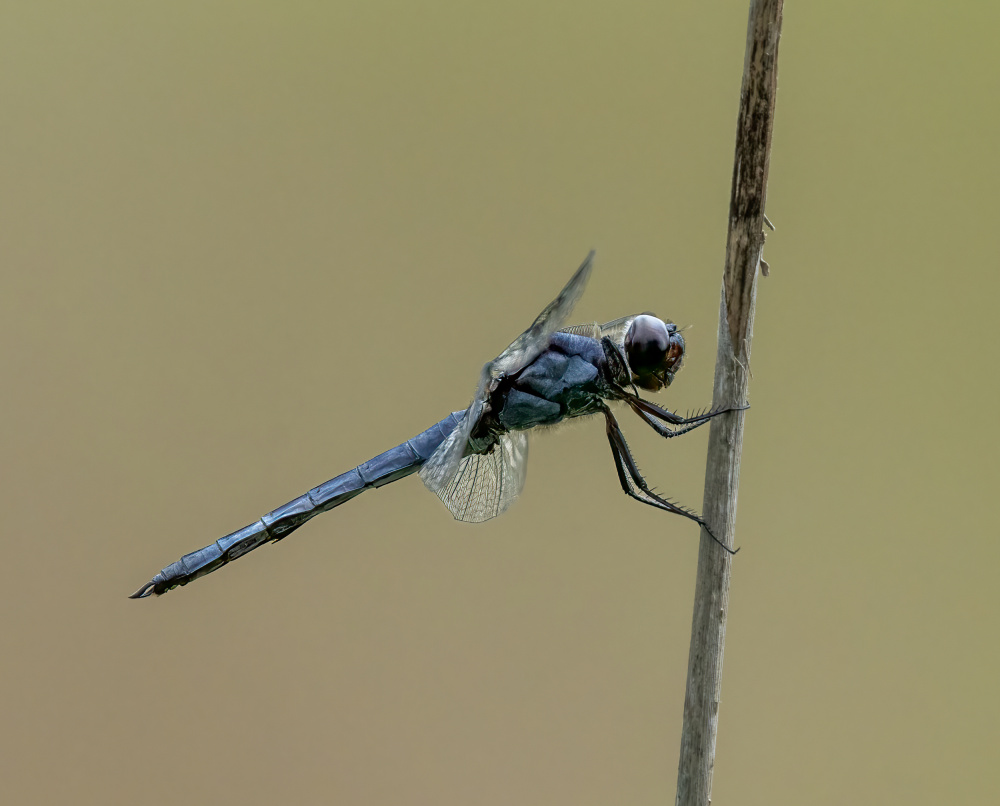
[(638, 404), (635, 485), (660, 428)]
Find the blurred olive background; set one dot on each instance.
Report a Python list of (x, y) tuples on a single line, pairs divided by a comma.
[(246, 246)]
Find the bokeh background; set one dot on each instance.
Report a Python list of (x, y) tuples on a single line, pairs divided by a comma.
[(246, 246)]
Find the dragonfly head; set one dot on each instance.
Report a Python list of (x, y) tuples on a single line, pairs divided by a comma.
[(655, 351)]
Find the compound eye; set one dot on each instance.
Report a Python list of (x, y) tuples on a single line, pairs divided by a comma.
[(647, 345)]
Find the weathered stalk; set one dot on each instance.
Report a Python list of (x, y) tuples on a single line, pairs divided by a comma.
[(739, 289)]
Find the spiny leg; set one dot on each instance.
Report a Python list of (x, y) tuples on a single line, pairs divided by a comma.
[(635, 485), (630, 476), (660, 413), (658, 427), (647, 411)]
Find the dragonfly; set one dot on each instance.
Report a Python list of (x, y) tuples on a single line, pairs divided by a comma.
[(475, 460)]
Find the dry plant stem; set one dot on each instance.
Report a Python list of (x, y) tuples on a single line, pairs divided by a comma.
[(739, 289)]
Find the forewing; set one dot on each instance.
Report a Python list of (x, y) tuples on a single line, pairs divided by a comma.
[(487, 483), (441, 472), (591, 331), (615, 330), (529, 345)]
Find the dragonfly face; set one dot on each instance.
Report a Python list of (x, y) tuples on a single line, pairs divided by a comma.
[(655, 351)]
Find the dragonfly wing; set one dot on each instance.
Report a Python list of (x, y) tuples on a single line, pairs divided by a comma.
[(616, 329), (440, 469), (487, 483), (529, 345), (591, 331), (453, 470)]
